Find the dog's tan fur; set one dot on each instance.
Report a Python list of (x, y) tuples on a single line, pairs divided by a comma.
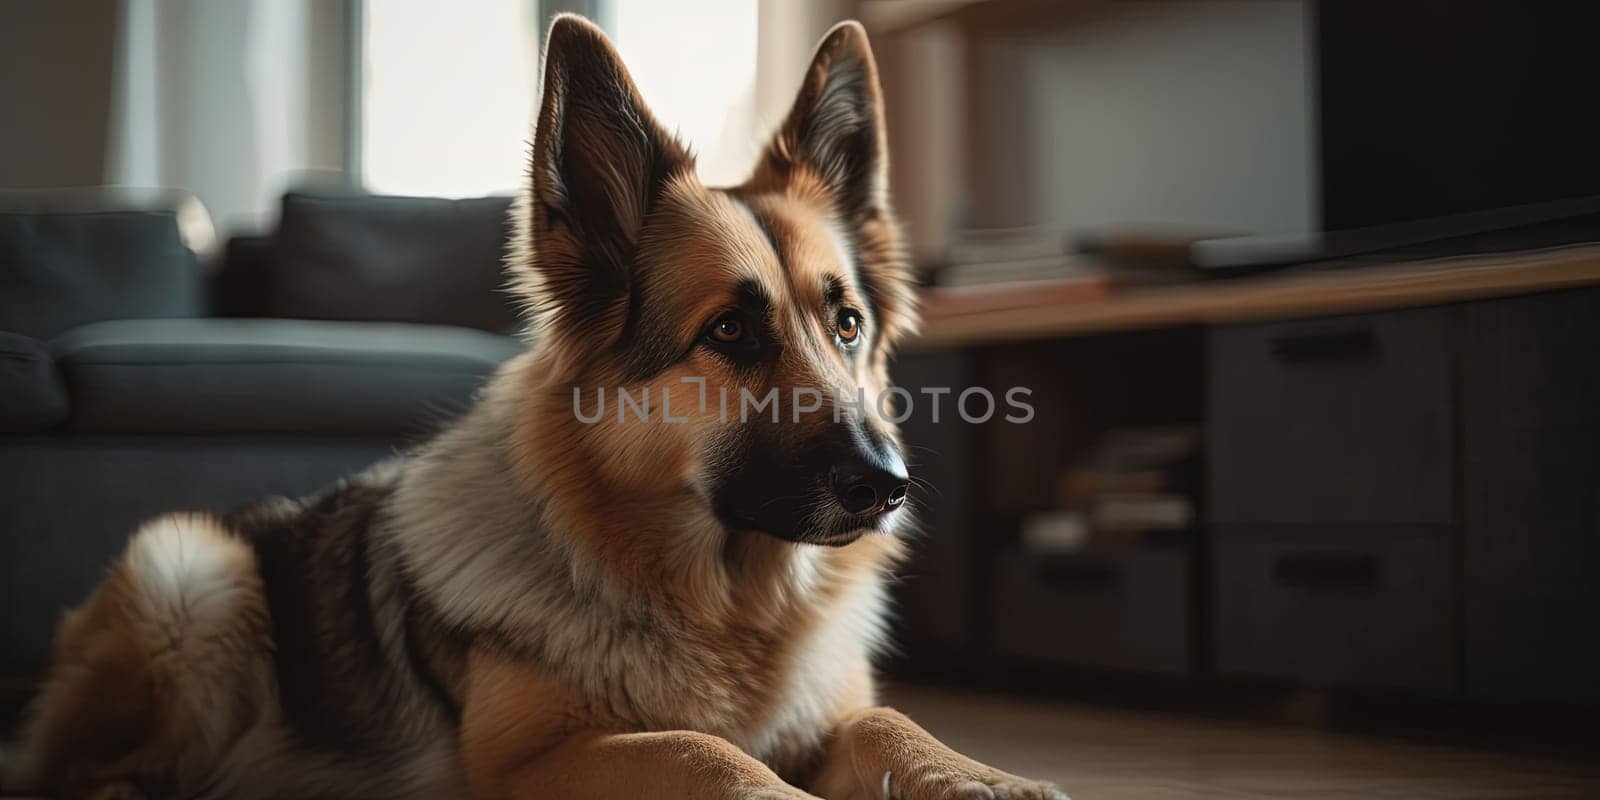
[(590, 627)]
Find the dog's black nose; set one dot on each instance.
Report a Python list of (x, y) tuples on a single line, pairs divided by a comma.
[(869, 490)]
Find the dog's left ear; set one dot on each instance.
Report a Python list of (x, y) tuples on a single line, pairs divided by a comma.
[(833, 143), (835, 128)]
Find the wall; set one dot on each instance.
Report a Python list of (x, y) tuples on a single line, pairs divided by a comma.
[(233, 101), (1191, 113), (55, 89)]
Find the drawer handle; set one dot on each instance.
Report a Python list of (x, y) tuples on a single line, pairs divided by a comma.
[(1340, 345), (1327, 570), (1077, 573)]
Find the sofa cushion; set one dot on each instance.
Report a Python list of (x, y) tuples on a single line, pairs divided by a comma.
[(392, 259), (31, 395), (70, 257), (272, 375), (242, 284)]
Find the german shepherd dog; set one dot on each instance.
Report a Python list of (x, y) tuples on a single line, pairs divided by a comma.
[(533, 606)]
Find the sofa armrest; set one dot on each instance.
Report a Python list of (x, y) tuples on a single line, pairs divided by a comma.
[(32, 397), (272, 376)]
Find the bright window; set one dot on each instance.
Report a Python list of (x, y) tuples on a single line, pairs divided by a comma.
[(449, 89), (695, 63)]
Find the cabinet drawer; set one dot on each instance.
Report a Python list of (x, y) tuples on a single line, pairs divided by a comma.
[(1122, 608), (1336, 606), (1343, 420)]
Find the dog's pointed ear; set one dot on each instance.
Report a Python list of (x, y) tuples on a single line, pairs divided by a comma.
[(836, 126), (599, 161), (833, 143)]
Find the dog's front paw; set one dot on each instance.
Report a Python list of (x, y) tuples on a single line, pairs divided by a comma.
[(943, 784), (1011, 787)]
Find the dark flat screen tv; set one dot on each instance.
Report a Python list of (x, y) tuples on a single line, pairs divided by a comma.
[(1440, 119)]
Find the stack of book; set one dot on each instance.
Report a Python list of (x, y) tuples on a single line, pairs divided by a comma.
[(1009, 268), (1135, 485), (1000, 269)]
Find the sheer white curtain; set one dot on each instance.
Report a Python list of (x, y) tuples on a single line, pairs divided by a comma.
[(450, 90), (233, 100)]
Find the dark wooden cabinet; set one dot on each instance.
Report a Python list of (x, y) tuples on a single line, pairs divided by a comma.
[(1432, 476), (1405, 500), (1332, 465), (1531, 484)]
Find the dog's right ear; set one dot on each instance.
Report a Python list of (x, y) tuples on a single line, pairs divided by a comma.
[(599, 161)]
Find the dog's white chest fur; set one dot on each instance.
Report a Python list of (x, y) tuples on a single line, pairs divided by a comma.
[(826, 673)]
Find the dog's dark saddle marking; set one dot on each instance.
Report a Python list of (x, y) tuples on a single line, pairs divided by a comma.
[(338, 687)]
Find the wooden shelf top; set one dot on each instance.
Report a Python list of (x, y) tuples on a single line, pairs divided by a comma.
[(896, 16), (1279, 295)]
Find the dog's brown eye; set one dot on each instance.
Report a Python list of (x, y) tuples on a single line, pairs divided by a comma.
[(849, 326), (727, 330)]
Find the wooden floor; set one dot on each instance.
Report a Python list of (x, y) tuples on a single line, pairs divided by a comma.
[(1098, 754)]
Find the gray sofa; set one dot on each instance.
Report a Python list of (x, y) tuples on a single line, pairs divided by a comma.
[(139, 375)]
